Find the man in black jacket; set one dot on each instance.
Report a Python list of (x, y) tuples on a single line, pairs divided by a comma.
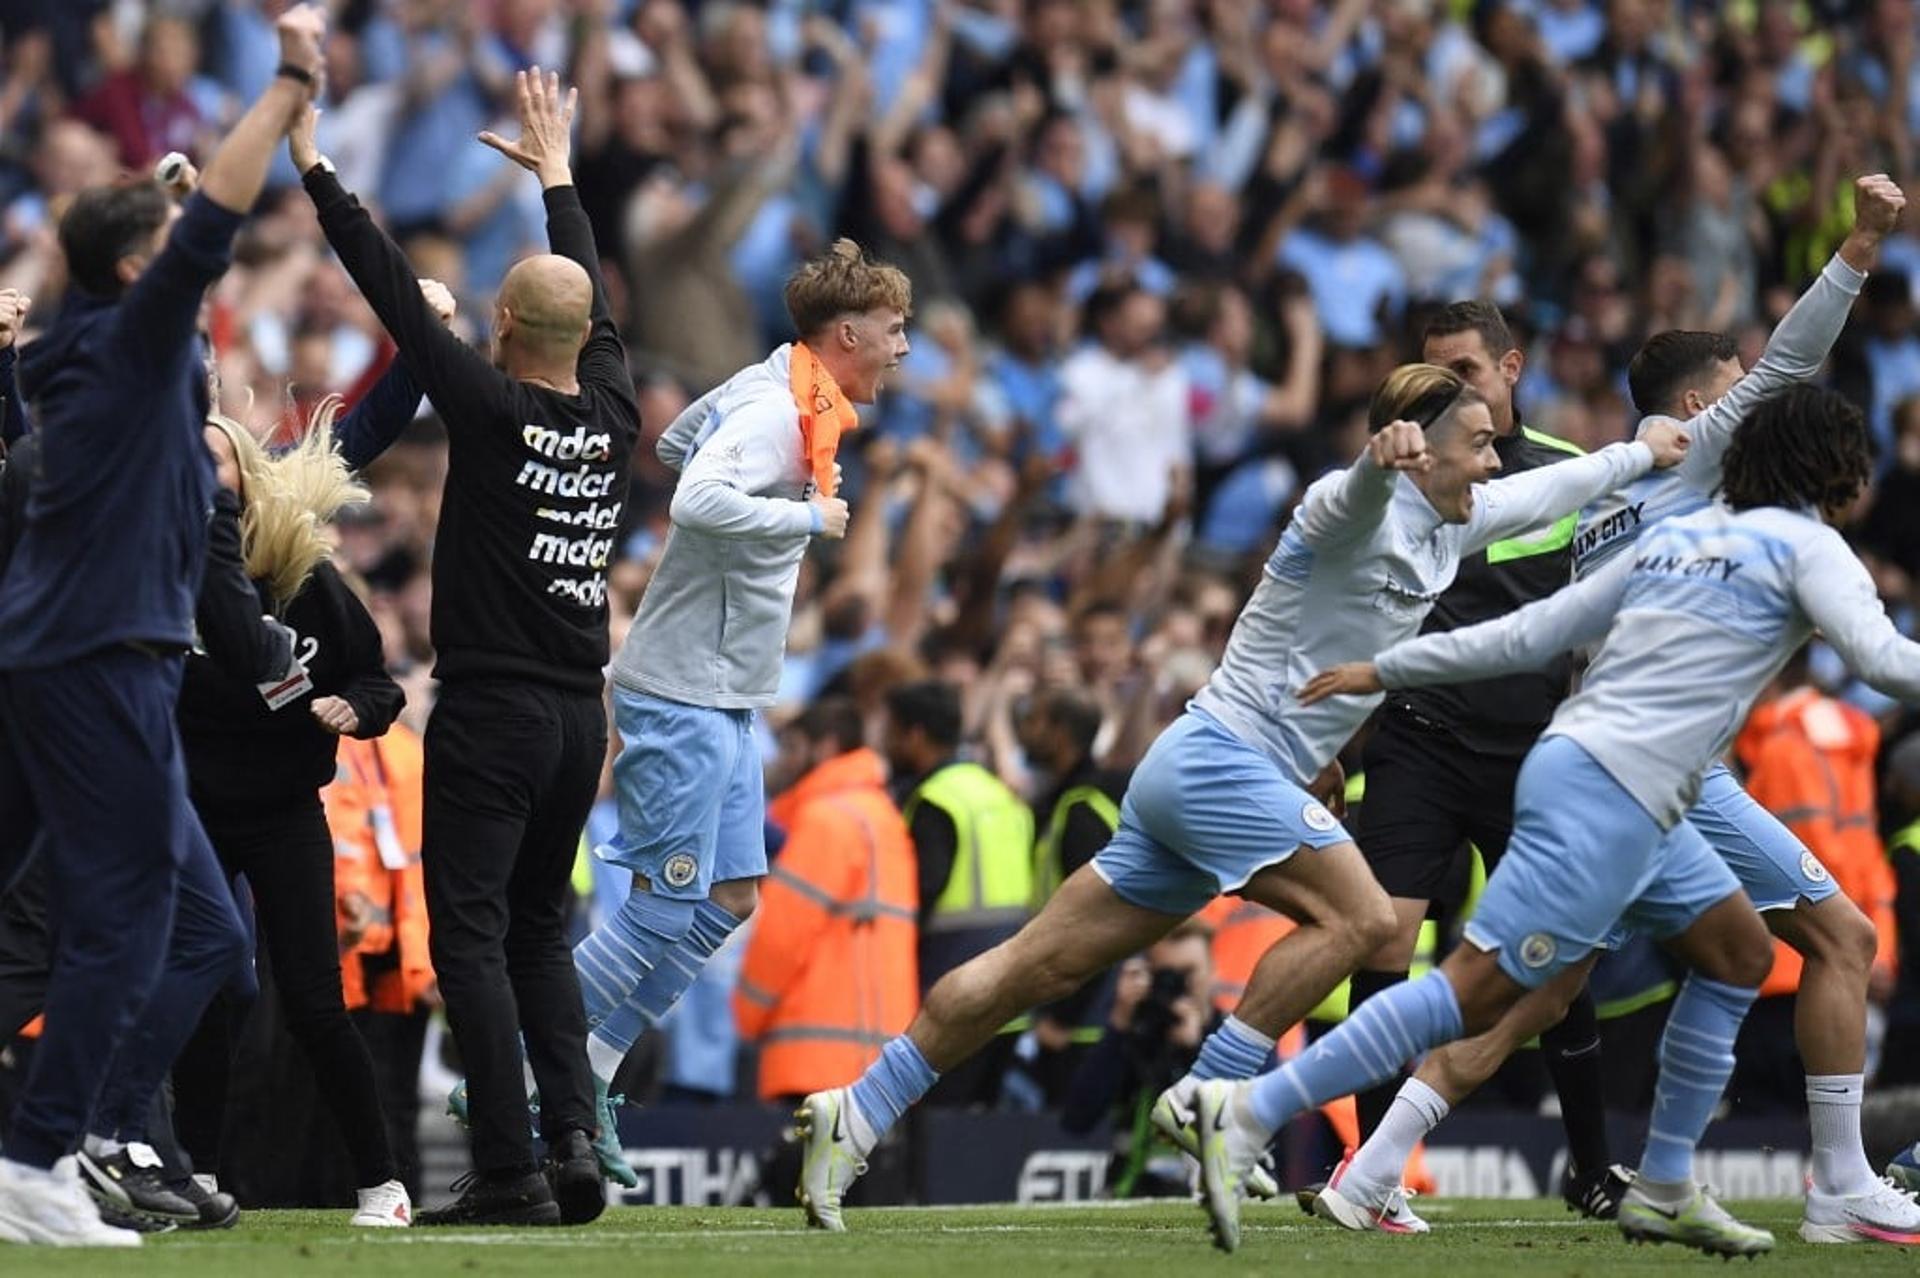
[(540, 438), (1441, 765), (95, 616)]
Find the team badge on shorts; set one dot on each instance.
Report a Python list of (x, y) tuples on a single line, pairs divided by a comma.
[(1537, 950), (1317, 817), (680, 869), (1811, 867)]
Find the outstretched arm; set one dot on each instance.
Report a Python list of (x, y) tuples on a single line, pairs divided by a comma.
[(1838, 595), (1805, 335), (544, 148), (1524, 640), (373, 424), (1507, 507)]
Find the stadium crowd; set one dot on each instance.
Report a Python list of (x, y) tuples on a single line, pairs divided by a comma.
[(1162, 252)]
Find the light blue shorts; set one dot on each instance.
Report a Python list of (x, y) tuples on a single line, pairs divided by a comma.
[(692, 798), (1586, 858), (1204, 813), (1772, 864)]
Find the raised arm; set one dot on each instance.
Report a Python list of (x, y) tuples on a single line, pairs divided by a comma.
[(1805, 335), (1837, 593), (1338, 509), (1507, 507), (544, 148), (162, 306), (373, 424), (460, 381)]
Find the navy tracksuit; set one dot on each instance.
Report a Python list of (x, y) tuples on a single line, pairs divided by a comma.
[(96, 611)]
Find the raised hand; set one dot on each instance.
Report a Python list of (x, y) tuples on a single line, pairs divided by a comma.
[(546, 123), (439, 299), (1353, 679), (13, 314), (1668, 442), (1400, 446), (1877, 202), (301, 29)]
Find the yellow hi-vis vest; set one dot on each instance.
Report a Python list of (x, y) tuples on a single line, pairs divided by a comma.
[(992, 883), (1047, 869)]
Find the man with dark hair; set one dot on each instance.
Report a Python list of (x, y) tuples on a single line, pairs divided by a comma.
[(96, 615), (541, 438), (1796, 898), (1442, 763), (1679, 372), (973, 844)]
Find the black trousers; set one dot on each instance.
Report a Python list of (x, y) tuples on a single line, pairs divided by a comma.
[(1427, 796), (512, 770), (285, 853)]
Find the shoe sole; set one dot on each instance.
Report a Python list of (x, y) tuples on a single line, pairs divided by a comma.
[(1810, 1232), (1711, 1247), (579, 1192), (803, 1126), (227, 1221), (537, 1214), (1180, 1134)]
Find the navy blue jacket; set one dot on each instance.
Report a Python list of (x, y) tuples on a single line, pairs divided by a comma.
[(116, 526)]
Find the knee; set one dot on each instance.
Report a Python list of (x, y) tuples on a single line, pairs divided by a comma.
[(1369, 922), (1851, 942), (738, 897), (1748, 958)]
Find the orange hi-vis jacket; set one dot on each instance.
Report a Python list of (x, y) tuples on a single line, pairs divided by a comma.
[(1809, 761), (373, 810), (831, 971)]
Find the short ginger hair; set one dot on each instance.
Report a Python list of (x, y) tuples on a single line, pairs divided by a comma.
[(843, 281)]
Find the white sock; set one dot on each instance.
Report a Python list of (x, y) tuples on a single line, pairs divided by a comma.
[(1840, 1166), (604, 1057), (1375, 1170), (100, 1146)]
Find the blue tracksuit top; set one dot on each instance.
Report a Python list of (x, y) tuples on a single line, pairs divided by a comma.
[(116, 525)]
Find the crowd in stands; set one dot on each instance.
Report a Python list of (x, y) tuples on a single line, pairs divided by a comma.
[(1162, 252)]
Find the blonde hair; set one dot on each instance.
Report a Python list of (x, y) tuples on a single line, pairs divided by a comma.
[(843, 281), (1422, 393), (288, 499)]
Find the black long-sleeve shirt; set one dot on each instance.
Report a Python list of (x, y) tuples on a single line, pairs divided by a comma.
[(239, 752), (227, 617), (536, 479)]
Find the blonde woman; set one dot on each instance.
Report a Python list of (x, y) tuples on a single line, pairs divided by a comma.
[(257, 756)]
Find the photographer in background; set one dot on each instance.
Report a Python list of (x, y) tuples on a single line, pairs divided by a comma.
[(1160, 1014)]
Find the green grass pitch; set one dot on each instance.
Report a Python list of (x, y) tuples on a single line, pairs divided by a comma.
[(1471, 1239)]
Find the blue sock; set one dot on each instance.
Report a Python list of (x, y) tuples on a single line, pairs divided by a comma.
[(619, 954), (899, 1078), (1696, 1059), (1235, 1050), (660, 988), (1387, 1031)]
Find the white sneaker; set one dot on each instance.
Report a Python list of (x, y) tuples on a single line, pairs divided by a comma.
[(53, 1209), (1172, 1117), (1231, 1144), (386, 1206), (1345, 1205), (830, 1160), (1700, 1223), (1885, 1214)]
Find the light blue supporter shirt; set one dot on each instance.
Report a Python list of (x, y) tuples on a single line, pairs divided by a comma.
[(1691, 627), (1357, 571)]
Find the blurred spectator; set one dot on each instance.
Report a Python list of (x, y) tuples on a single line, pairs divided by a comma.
[(1124, 404), (829, 974), (1809, 760), (146, 108), (973, 846)]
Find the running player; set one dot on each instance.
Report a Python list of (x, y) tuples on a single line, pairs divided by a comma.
[(1224, 800), (1697, 376), (757, 480), (1690, 628)]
